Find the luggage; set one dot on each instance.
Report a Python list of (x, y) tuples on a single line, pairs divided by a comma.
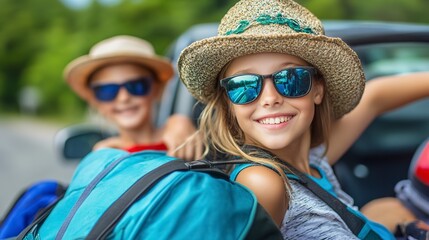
[(28, 204), (148, 195)]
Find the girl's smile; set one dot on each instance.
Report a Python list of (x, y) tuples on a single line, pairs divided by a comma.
[(275, 120), (272, 120), (126, 110)]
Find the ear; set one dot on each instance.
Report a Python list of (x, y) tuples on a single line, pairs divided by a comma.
[(318, 91)]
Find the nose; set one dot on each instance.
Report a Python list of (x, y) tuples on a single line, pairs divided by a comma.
[(123, 94), (269, 95)]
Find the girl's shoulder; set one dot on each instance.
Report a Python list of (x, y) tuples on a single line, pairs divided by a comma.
[(263, 180), (112, 142), (269, 188), (258, 175)]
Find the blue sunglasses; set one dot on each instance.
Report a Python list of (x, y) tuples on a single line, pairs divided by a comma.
[(108, 92), (289, 82)]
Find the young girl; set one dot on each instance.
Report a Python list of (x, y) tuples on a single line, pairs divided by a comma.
[(123, 79), (273, 80)]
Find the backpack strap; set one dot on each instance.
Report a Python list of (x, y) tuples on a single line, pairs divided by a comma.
[(355, 224), (352, 221), (113, 214)]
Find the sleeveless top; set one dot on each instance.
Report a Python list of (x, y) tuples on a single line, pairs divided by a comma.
[(309, 217)]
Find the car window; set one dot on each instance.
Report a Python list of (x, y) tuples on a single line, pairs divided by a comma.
[(386, 147), (393, 58), (406, 127)]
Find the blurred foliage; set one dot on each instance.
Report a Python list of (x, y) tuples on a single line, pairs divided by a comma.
[(38, 38)]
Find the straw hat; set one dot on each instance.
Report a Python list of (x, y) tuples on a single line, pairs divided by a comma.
[(278, 26), (117, 49)]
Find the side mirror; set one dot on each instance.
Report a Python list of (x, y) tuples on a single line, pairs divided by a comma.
[(76, 141)]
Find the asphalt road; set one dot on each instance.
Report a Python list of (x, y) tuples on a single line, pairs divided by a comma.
[(27, 155)]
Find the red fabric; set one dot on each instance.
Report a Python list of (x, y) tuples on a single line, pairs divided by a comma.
[(422, 168), (155, 146)]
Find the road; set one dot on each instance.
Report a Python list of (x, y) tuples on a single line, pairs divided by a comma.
[(27, 155)]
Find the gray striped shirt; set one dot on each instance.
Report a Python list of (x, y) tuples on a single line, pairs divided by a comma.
[(308, 217)]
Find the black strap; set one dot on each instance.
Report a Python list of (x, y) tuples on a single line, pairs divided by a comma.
[(111, 217), (113, 214), (354, 223)]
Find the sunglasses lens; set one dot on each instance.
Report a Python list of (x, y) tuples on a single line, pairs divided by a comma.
[(107, 92), (139, 87), (243, 89), (290, 82), (294, 82)]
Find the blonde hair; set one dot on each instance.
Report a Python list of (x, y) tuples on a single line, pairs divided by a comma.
[(323, 116), (221, 132)]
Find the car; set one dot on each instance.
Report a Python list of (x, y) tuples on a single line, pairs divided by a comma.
[(379, 158)]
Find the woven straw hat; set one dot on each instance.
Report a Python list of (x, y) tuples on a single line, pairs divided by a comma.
[(118, 49), (278, 26)]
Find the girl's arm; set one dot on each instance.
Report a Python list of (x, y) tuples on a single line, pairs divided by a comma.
[(381, 95), (269, 188)]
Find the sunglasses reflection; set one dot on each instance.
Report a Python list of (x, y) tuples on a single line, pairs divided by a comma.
[(289, 82)]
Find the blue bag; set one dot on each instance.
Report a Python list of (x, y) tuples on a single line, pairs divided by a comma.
[(28, 204), (148, 195)]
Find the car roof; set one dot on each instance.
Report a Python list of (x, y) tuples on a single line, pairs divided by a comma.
[(367, 32), (354, 33)]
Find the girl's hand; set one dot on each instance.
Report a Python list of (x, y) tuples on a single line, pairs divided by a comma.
[(182, 138)]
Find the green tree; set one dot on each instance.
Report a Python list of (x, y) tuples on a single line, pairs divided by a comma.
[(38, 38), (22, 25)]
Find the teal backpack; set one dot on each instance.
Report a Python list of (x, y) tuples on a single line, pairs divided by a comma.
[(148, 195)]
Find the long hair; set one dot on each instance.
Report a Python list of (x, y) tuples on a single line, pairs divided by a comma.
[(322, 121), (221, 132)]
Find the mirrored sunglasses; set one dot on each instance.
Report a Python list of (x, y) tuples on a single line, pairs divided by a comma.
[(108, 92), (289, 82)]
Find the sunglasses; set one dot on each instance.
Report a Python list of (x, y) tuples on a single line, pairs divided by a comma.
[(108, 92), (289, 82)]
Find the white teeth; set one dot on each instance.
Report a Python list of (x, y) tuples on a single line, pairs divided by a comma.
[(275, 120)]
